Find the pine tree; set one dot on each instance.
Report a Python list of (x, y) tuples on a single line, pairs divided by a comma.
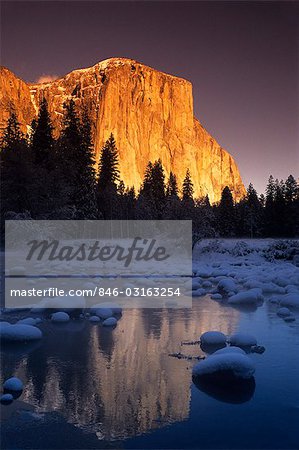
[(279, 209), (68, 144), (151, 200), (204, 221), (108, 165), (42, 138), (12, 135), (42, 188), (206, 202), (188, 188), (226, 216), (172, 189), (121, 188), (130, 203), (108, 179), (146, 188), (158, 188), (270, 189), (121, 201), (76, 158), (262, 200), (145, 205), (173, 208), (187, 198), (269, 208), (15, 168), (85, 189), (291, 189), (252, 213), (292, 206)]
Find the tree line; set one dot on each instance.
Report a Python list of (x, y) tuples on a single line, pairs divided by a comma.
[(47, 178)]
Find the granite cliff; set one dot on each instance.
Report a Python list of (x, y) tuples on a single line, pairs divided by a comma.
[(149, 112)]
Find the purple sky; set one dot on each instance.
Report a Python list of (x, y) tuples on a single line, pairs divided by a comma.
[(242, 58)]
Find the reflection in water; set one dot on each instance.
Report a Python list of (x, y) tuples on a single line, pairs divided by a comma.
[(118, 382)]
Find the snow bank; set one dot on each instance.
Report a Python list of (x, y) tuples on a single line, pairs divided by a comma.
[(242, 340), (13, 384), (234, 364), (60, 317), (19, 332)]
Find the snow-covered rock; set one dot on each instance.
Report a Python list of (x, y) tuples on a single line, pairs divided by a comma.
[(291, 299), (229, 349), (283, 312), (281, 281), (250, 296), (237, 365), (104, 313), (196, 283), (204, 273), (292, 288), (94, 319), (13, 384), (213, 338), (199, 292), (219, 273), (110, 322), (290, 318), (5, 399), (242, 340), (30, 321), (60, 317), (227, 285), (266, 287), (216, 296), (19, 332)]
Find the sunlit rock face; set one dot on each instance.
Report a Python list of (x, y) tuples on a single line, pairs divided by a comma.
[(151, 116), (16, 92)]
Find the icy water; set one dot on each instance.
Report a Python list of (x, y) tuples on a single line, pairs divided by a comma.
[(91, 387)]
